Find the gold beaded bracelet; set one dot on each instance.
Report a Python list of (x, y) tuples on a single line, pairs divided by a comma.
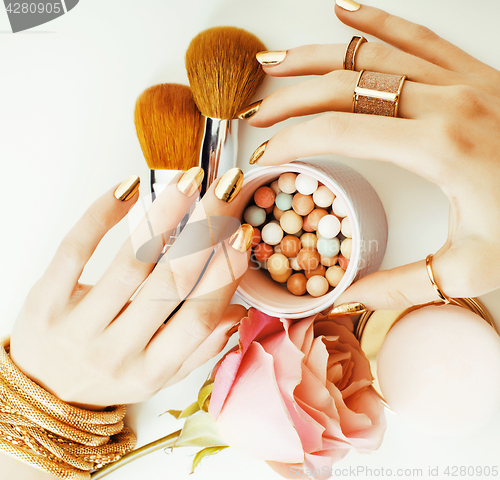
[(41, 430)]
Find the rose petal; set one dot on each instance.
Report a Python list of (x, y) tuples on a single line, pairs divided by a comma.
[(253, 418), (302, 334), (256, 325), (288, 368), (317, 360)]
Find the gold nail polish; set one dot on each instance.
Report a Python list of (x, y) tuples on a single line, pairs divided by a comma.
[(229, 185), (349, 5), (258, 153), (241, 240), (190, 181), (271, 58), (347, 309), (232, 330), (128, 188), (250, 111)]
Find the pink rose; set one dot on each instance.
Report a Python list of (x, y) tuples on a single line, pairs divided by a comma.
[(297, 395)]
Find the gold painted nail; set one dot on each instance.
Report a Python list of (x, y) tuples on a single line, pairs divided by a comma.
[(241, 240), (128, 188), (190, 181), (229, 185), (349, 5), (250, 111), (271, 58), (232, 330), (347, 309), (258, 153)]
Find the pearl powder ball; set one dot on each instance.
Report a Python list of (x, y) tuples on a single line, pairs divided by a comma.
[(329, 226), (277, 213), (438, 370), (345, 227), (275, 187), (290, 246), (339, 207), (315, 216), (323, 197), (278, 264), (284, 201), (308, 240), (291, 222), (308, 258), (334, 274), (317, 286), (264, 197), (296, 284), (346, 247), (305, 184), (282, 277), (328, 261), (302, 204), (272, 234), (255, 215), (319, 270), (294, 263), (328, 247), (286, 182)]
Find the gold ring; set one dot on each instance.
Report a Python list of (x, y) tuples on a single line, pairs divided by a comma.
[(351, 51), (428, 266), (377, 93)]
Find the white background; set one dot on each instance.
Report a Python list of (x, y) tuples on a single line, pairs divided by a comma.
[(67, 94)]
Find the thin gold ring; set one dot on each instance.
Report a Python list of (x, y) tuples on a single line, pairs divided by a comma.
[(428, 266), (351, 51)]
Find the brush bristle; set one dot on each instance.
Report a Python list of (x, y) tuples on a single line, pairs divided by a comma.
[(223, 71), (169, 127)]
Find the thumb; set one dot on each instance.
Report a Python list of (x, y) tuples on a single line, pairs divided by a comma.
[(394, 289)]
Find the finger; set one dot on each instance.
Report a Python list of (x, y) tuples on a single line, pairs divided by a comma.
[(200, 315), (454, 268), (411, 38), (61, 277), (373, 56), (136, 258), (212, 221), (213, 345), (407, 143), (334, 92)]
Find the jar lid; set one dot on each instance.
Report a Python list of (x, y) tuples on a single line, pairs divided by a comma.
[(373, 326)]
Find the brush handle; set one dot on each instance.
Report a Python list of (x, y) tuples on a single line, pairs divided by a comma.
[(219, 149)]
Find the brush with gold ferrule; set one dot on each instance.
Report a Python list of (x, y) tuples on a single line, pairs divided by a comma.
[(170, 129), (224, 75)]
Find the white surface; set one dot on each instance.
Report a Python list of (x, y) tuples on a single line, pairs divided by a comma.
[(67, 92)]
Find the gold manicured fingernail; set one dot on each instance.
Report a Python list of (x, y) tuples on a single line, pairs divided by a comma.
[(190, 181), (271, 58), (258, 153), (232, 330), (347, 309), (349, 5), (128, 188), (241, 240), (250, 111), (229, 185)]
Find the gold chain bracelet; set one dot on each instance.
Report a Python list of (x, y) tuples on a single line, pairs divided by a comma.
[(41, 430)]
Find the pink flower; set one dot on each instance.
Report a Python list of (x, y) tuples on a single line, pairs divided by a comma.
[(297, 395)]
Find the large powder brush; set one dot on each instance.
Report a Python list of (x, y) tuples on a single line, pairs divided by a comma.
[(170, 130), (224, 75)]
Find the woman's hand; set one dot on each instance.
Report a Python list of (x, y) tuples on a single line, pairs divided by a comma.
[(448, 134), (91, 345)]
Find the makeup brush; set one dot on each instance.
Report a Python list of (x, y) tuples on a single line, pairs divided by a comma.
[(170, 130), (224, 75)]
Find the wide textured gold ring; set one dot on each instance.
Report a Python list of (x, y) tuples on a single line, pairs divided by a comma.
[(428, 266), (351, 51), (377, 93)]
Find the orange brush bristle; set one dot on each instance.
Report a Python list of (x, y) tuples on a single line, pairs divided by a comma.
[(169, 127), (223, 71)]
